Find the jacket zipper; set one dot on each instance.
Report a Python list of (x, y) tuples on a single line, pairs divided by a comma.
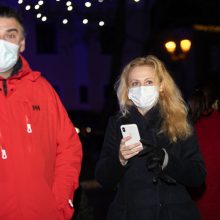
[(4, 154), (28, 125), (27, 118), (3, 151)]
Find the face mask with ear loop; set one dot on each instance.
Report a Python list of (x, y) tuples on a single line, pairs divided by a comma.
[(144, 97), (8, 55)]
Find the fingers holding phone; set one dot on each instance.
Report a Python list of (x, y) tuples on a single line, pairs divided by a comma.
[(130, 144)]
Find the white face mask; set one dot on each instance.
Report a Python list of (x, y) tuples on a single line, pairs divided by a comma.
[(8, 55), (144, 97)]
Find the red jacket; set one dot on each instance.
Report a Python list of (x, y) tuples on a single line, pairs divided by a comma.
[(208, 131), (43, 150)]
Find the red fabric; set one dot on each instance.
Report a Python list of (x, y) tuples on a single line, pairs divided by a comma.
[(208, 131), (43, 163)]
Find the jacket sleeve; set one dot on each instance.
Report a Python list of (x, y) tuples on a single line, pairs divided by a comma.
[(187, 166), (68, 161), (109, 170)]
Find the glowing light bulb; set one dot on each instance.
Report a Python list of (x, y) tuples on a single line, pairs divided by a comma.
[(88, 4), (68, 3), (39, 15), (28, 7), (37, 7), (101, 23), (185, 45), (85, 21), (40, 2), (70, 8), (44, 18), (170, 46), (65, 21)]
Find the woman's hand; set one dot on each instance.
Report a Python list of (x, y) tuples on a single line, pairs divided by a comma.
[(128, 151)]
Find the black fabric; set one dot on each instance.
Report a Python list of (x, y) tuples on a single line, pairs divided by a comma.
[(15, 70), (154, 160), (154, 155), (17, 67), (137, 196)]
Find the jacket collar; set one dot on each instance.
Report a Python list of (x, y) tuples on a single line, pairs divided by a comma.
[(151, 121), (17, 67), (22, 69), (151, 118)]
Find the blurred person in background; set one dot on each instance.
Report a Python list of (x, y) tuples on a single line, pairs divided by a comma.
[(40, 150), (204, 105), (151, 175)]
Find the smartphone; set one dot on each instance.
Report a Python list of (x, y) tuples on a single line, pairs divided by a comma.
[(130, 130)]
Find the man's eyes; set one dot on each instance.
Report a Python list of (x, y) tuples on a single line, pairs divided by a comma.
[(10, 36)]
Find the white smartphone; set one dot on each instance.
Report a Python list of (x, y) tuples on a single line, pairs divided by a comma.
[(130, 130)]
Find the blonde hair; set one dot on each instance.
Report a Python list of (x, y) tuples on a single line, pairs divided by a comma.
[(172, 106)]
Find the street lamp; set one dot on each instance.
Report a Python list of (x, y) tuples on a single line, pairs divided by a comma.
[(178, 52)]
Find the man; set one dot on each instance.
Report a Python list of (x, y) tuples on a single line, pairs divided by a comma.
[(40, 151)]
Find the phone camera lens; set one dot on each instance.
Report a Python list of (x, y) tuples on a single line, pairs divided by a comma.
[(123, 129)]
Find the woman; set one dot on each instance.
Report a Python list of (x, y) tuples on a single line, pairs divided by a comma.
[(151, 177), (204, 106)]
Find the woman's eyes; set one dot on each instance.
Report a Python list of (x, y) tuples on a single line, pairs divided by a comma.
[(133, 84), (146, 83), (149, 82)]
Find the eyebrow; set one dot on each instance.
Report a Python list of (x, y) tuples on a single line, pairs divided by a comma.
[(12, 29), (148, 78)]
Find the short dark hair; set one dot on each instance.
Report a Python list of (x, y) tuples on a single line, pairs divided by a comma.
[(7, 12)]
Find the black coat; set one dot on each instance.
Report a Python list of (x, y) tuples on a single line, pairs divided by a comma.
[(138, 198)]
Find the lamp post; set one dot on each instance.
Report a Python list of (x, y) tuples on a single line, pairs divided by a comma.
[(178, 51)]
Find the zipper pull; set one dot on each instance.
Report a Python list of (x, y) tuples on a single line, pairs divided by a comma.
[(29, 129), (4, 155), (70, 203)]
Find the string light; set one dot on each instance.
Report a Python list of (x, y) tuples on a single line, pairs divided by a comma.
[(39, 15), (85, 21), (44, 18), (28, 7), (70, 8), (101, 23), (68, 3), (88, 4), (42, 10), (65, 21), (37, 7), (40, 2)]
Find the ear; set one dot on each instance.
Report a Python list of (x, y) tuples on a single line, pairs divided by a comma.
[(22, 46)]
